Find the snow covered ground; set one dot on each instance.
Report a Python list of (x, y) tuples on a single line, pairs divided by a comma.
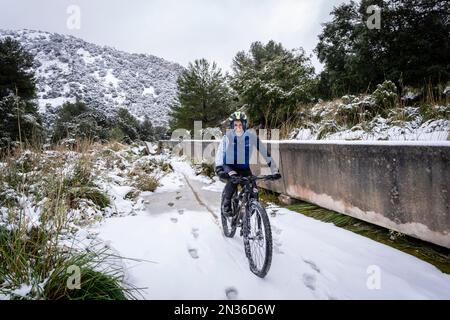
[(184, 255)]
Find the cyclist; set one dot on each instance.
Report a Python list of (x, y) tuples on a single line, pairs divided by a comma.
[(233, 157)]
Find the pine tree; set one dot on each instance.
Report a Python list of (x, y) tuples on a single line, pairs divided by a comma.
[(77, 120), (20, 119), (410, 48), (203, 95), (127, 124), (16, 76), (272, 80), (146, 130)]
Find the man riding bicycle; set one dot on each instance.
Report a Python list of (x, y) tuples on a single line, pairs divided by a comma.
[(233, 157)]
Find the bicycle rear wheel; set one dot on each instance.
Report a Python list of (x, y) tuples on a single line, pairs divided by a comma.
[(258, 239)]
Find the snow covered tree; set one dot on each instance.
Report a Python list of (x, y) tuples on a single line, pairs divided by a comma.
[(77, 120), (16, 76), (410, 48), (161, 133), (203, 95), (20, 119), (272, 80), (127, 124), (146, 130)]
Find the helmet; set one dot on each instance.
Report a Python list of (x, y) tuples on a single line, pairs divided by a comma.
[(238, 115)]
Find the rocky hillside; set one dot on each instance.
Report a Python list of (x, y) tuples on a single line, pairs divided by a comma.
[(67, 67)]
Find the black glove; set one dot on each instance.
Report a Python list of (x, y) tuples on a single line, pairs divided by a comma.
[(276, 176), (235, 179), (221, 173)]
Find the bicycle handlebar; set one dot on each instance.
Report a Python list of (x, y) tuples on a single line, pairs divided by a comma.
[(239, 179)]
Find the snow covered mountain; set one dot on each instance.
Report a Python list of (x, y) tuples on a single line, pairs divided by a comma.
[(67, 67)]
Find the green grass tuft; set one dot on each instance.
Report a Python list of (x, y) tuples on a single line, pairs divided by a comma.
[(146, 183), (95, 195), (94, 285)]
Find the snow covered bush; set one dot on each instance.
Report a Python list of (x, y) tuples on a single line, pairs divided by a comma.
[(385, 96), (145, 182), (204, 168), (378, 116)]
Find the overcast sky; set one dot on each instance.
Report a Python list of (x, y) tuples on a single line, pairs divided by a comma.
[(179, 31)]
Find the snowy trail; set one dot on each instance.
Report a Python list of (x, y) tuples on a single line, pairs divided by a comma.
[(312, 259)]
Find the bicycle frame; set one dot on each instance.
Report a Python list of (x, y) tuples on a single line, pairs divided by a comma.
[(248, 193)]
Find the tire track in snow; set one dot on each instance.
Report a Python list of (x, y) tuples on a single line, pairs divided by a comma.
[(200, 202)]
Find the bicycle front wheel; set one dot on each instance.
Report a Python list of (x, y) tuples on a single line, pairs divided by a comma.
[(258, 239)]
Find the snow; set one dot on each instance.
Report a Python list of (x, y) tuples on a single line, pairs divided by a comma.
[(216, 186), (152, 147), (180, 165), (55, 102), (111, 79), (410, 95), (446, 91), (118, 194), (170, 183), (304, 134), (182, 254), (438, 143), (86, 56), (434, 130), (23, 290), (149, 91)]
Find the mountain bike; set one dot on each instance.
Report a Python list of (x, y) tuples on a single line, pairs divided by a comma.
[(252, 218)]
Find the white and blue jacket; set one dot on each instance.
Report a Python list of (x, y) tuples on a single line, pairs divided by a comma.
[(234, 152)]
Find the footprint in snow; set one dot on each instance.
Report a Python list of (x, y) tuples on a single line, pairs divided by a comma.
[(180, 211), (194, 253), (277, 242), (276, 230), (276, 246), (174, 220), (231, 293), (312, 265), (278, 250), (171, 204), (309, 280), (178, 198), (195, 233)]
